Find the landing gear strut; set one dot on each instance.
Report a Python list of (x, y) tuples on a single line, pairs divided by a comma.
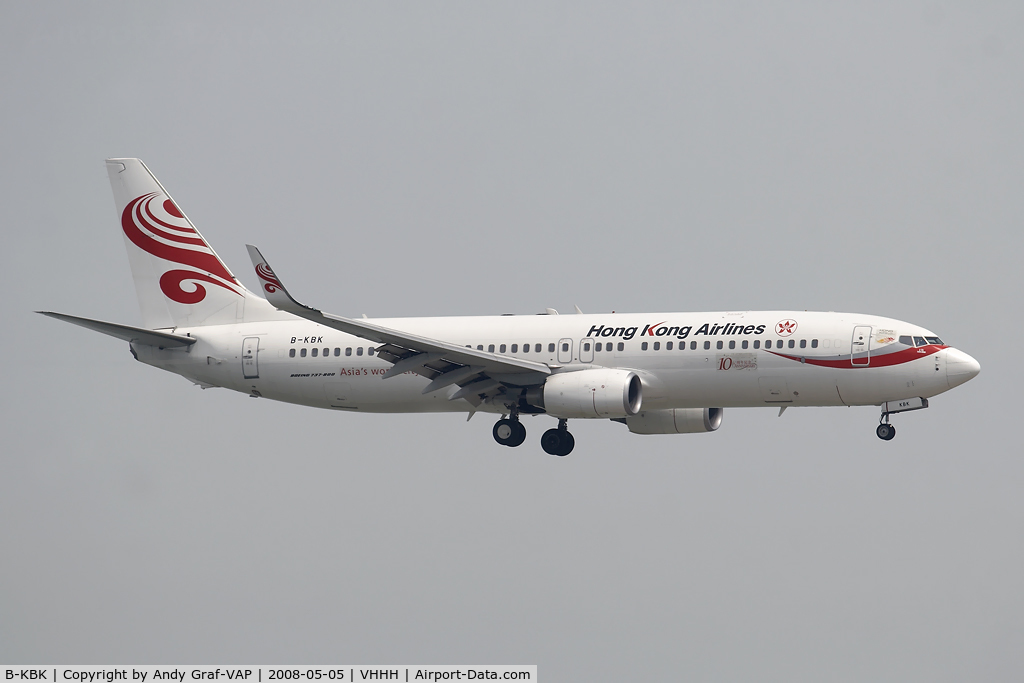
[(558, 441), (509, 431)]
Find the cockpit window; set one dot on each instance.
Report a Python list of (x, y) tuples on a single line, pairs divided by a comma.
[(919, 341), (934, 340), (906, 340)]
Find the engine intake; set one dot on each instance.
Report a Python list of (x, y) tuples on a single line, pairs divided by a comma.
[(674, 421), (601, 392)]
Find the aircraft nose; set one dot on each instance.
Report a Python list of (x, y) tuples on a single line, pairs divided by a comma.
[(960, 367)]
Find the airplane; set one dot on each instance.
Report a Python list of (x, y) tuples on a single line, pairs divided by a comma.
[(656, 373)]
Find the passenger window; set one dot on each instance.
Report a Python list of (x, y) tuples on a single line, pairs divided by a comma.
[(537, 348), (934, 340), (621, 346), (490, 348), (302, 353), (707, 345), (565, 347), (515, 348), (291, 353), (906, 340), (814, 343), (693, 346), (327, 352), (803, 343), (643, 347), (597, 347), (551, 348), (586, 346), (732, 343), (718, 345), (501, 349), (919, 341), (479, 347), (657, 346), (314, 353), (792, 343), (359, 351), (744, 345), (668, 346), (337, 351), (348, 351), (526, 348), (757, 343)]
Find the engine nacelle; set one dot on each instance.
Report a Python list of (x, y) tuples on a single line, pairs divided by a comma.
[(601, 392), (675, 421)]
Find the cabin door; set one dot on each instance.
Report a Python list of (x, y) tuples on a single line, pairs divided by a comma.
[(250, 362), (860, 348)]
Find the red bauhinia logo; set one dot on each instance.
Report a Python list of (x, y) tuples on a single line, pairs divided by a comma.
[(784, 328), (162, 231)]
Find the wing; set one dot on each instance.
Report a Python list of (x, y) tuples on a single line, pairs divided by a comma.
[(480, 376)]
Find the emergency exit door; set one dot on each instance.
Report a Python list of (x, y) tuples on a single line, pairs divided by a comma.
[(565, 350), (250, 360)]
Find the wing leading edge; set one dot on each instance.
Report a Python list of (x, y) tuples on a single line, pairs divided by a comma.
[(479, 375)]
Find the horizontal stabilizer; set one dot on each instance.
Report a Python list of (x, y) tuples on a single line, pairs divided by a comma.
[(135, 335)]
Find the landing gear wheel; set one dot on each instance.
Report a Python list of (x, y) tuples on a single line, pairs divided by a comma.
[(568, 443), (504, 432), (557, 442), (551, 441), (886, 432), (519, 435)]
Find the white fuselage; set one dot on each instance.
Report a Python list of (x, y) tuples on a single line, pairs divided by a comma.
[(684, 360)]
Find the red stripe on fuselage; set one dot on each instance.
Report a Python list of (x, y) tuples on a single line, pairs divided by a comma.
[(877, 361)]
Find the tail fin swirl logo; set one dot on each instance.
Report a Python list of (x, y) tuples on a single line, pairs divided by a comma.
[(163, 232), (270, 282)]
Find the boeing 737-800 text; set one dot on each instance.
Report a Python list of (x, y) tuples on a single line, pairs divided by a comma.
[(657, 373)]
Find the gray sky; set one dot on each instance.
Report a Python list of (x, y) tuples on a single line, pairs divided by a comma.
[(414, 159)]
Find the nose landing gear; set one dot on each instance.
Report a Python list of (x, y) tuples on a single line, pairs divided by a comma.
[(886, 431), (558, 441)]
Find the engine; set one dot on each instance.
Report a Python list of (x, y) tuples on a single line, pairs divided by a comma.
[(604, 392), (674, 421)]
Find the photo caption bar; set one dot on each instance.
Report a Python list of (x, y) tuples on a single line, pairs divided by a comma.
[(259, 674)]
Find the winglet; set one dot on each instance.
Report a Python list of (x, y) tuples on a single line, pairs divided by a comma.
[(275, 292)]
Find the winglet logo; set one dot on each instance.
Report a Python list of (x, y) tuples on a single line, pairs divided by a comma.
[(165, 234), (784, 328), (270, 282)]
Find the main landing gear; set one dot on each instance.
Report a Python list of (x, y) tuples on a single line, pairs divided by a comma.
[(511, 432), (558, 441)]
